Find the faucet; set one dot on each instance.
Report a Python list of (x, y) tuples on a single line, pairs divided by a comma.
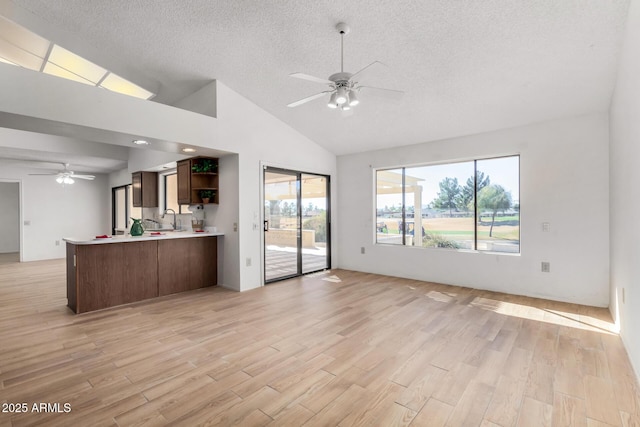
[(174, 216)]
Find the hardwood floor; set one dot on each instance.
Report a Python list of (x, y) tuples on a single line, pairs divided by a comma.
[(9, 257), (337, 348)]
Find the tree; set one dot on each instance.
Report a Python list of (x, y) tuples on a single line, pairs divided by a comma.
[(465, 201), (287, 209), (448, 196), (494, 198)]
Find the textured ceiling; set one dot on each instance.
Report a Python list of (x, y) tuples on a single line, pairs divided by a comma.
[(466, 66)]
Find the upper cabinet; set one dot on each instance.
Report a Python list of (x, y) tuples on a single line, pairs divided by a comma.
[(145, 189), (198, 181)]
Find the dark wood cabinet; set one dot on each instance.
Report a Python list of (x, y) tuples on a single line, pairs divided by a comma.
[(184, 182), (115, 273), (187, 264), (145, 189), (111, 274), (195, 176)]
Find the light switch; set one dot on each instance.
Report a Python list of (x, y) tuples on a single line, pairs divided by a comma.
[(546, 227)]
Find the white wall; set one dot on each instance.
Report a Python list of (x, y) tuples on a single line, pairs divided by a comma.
[(624, 190), (42, 103), (259, 137), (223, 216), (563, 180), (202, 101), (47, 104), (55, 211), (9, 217)]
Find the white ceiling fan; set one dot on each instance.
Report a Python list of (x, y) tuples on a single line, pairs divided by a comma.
[(66, 176), (344, 87)]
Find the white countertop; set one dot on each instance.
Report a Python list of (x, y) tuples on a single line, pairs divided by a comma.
[(147, 229), (126, 238)]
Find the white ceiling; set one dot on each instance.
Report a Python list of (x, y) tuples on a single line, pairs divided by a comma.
[(34, 150), (466, 66)]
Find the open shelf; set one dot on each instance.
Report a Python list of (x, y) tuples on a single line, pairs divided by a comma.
[(191, 182)]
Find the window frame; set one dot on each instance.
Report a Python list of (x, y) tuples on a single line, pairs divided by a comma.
[(475, 161), (162, 176)]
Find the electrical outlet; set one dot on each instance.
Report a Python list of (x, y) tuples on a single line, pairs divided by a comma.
[(545, 267), (235, 226), (362, 250), (248, 262), (546, 227), (57, 242)]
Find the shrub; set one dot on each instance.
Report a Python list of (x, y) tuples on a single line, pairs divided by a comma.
[(436, 241), (319, 224)]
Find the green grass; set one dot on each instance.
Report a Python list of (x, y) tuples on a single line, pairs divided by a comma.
[(501, 218)]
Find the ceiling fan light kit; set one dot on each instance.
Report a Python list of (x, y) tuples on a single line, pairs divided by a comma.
[(64, 180), (341, 97), (66, 176), (343, 86), (353, 99), (332, 101)]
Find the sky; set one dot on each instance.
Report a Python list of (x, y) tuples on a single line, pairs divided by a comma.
[(503, 171)]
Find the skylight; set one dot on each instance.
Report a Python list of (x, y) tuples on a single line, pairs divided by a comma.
[(21, 47)]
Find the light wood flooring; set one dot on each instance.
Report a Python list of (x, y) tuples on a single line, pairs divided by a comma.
[(337, 348), (9, 257)]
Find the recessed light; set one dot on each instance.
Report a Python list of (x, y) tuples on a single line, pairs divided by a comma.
[(140, 142), (189, 150)]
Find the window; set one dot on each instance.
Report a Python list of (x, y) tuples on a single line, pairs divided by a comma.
[(465, 205), (171, 192)]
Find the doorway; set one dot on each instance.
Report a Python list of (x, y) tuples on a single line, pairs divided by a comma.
[(122, 209), (297, 227), (10, 222)]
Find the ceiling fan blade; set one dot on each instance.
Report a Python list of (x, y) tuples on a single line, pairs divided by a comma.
[(382, 92), (365, 70), (310, 78), (307, 99), (89, 177), (44, 174)]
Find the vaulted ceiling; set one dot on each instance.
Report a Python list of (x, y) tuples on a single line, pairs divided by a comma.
[(465, 66)]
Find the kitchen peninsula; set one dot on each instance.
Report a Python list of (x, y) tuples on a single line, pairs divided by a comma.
[(105, 272)]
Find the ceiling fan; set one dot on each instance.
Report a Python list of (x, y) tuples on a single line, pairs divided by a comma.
[(66, 176), (344, 87)]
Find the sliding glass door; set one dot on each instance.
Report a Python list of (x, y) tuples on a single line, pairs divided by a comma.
[(296, 223)]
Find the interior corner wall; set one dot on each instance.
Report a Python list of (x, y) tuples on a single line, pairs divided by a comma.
[(203, 101), (564, 174), (53, 211), (9, 217), (260, 138), (625, 194), (223, 216)]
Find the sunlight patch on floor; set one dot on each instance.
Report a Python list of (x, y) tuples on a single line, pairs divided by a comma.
[(547, 315)]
